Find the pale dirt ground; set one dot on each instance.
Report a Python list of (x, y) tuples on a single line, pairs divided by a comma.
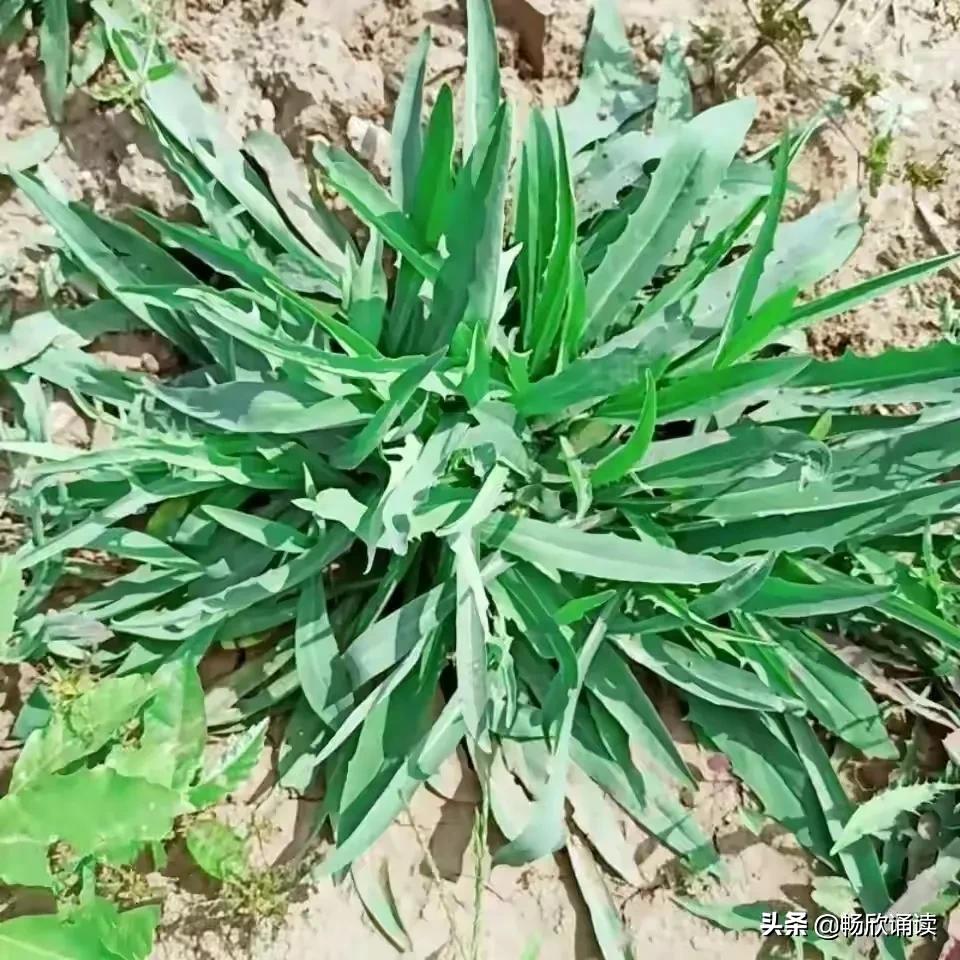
[(308, 69)]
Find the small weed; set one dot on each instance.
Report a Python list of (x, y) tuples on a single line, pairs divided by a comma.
[(865, 82), (63, 867), (126, 886), (784, 27), (260, 896), (878, 161), (154, 25), (261, 831), (925, 176), (949, 319), (710, 43), (65, 685)]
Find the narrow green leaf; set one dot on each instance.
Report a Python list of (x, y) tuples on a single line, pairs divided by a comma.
[(852, 297), (376, 893), (603, 555), (316, 649), (368, 295), (736, 323), (407, 133), (880, 812), (687, 175), (250, 407), (55, 54), (421, 763), (472, 636), (706, 677), (545, 832), (11, 586), (764, 758), (859, 859), (468, 286), (402, 390), (585, 381), (771, 315), (268, 533), (375, 207), (318, 226), (483, 73), (611, 936), (435, 177), (630, 455)]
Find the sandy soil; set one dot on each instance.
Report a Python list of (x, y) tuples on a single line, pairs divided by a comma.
[(331, 69)]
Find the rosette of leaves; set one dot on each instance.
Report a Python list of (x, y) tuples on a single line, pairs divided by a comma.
[(550, 434)]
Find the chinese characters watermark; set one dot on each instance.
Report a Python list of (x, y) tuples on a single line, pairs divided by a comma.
[(829, 926)]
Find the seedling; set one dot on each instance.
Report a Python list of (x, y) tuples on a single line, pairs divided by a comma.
[(878, 161), (126, 886), (864, 83), (260, 897), (784, 25), (65, 684), (925, 176)]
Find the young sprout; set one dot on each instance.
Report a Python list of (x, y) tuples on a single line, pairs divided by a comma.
[(864, 83), (878, 161), (784, 26), (925, 176)]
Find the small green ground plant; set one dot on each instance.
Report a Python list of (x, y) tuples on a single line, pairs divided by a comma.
[(104, 777), (549, 435), (54, 20), (73, 47)]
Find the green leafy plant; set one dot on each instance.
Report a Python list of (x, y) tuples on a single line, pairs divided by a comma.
[(86, 800), (878, 161), (784, 25), (66, 62), (925, 176), (250, 896), (568, 442), (53, 19), (865, 82)]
